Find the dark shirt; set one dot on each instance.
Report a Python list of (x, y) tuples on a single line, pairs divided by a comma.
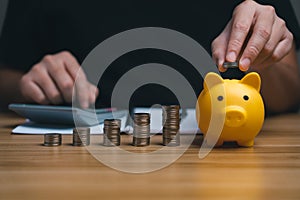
[(34, 28)]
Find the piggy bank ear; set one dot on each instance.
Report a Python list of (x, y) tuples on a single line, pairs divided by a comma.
[(211, 79), (252, 79)]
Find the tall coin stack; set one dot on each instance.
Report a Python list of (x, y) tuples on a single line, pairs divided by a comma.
[(81, 136), (141, 129), (111, 132), (171, 125), (52, 139)]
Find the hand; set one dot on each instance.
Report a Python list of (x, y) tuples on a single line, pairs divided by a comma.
[(51, 81), (255, 36)]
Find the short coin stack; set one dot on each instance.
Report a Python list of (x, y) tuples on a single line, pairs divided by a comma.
[(81, 136), (111, 132), (52, 139), (171, 125), (141, 129)]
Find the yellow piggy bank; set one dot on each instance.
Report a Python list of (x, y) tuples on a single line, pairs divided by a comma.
[(242, 107)]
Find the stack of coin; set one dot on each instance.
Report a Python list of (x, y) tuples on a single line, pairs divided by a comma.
[(171, 125), (111, 132), (81, 136), (141, 129), (52, 139)]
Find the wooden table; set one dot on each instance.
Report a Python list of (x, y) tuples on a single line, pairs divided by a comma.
[(269, 170)]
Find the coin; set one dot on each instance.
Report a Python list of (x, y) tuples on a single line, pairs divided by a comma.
[(81, 136), (112, 122), (111, 132), (231, 65), (171, 125), (140, 142), (52, 139), (141, 129), (172, 141)]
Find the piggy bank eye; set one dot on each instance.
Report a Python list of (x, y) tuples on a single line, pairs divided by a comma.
[(245, 97), (220, 98)]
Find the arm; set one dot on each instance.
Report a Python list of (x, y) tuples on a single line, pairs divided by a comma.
[(261, 42), (9, 87), (51, 81), (281, 84)]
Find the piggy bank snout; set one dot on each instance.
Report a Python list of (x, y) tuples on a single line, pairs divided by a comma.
[(235, 116)]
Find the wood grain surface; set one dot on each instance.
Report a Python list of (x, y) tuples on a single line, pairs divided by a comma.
[(269, 170)]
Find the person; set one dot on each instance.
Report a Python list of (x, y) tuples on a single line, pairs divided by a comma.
[(44, 42)]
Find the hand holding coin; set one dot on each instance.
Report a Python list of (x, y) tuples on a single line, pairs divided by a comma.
[(255, 36)]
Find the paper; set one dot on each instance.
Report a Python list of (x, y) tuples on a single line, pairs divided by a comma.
[(34, 128), (188, 124)]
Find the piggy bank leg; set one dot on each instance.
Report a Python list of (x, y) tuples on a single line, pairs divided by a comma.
[(249, 143)]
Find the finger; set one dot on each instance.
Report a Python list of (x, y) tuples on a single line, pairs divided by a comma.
[(283, 47), (84, 95), (71, 64), (82, 90), (44, 81), (93, 94), (281, 50), (219, 46), (261, 34), (275, 38), (242, 20), (78, 76), (61, 76), (32, 92)]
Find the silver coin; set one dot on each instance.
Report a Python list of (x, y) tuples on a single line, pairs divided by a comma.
[(140, 142), (111, 132), (171, 125), (231, 64), (141, 129), (109, 142), (174, 141), (116, 123), (81, 136), (52, 139)]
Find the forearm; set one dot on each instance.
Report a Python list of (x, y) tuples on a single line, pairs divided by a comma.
[(281, 85), (9, 87)]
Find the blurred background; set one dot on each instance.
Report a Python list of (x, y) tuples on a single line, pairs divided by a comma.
[(4, 3), (3, 6), (296, 5)]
